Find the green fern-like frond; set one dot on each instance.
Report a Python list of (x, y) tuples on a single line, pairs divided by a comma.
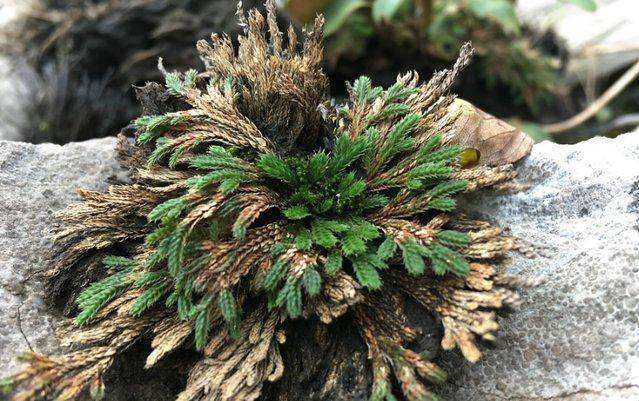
[(254, 204)]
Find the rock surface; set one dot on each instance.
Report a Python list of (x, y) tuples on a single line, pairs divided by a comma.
[(36, 182), (598, 43), (576, 337)]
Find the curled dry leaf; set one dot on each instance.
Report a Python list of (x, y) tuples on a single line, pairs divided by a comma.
[(497, 141)]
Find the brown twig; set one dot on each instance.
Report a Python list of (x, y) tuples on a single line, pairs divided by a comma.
[(597, 105)]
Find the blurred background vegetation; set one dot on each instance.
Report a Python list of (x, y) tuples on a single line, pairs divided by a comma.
[(80, 58)]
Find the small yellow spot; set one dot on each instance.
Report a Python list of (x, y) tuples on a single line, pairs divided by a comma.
[(469, 157)]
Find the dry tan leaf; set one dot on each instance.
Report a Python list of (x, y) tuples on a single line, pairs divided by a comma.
[(304, 11), (425, 11), (498, 142)]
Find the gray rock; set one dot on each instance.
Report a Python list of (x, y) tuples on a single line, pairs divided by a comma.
[(36, 182), (575, 338), (598, 43)]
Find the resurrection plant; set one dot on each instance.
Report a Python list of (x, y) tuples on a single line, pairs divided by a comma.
[(256, 203)]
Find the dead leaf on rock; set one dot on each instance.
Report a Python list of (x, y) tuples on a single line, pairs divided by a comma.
[(497, 141)]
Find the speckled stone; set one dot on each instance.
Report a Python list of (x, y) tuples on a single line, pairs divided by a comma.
[(576, 337), (35, 182)]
